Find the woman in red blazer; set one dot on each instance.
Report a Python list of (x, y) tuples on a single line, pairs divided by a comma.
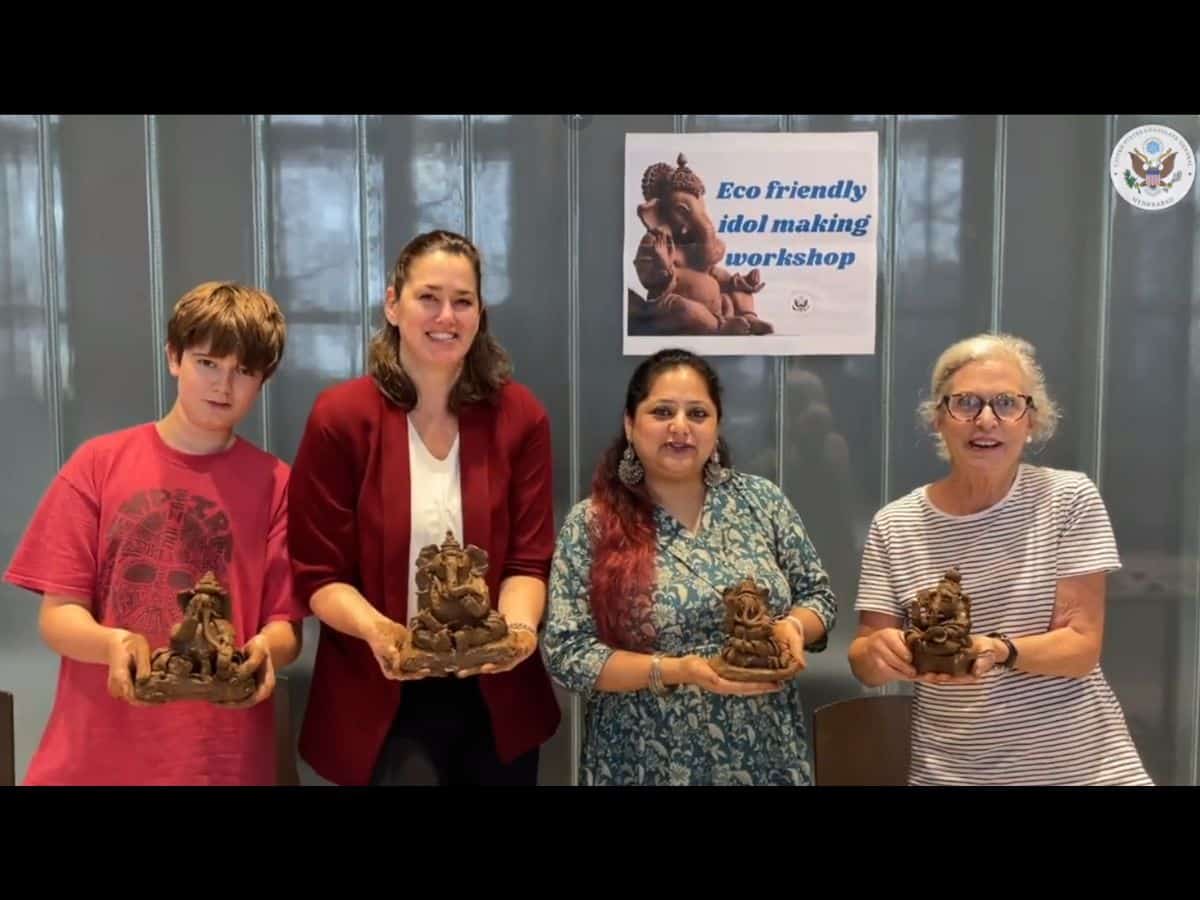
[(439, 392)]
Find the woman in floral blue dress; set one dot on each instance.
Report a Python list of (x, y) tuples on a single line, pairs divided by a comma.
[(635, 599)]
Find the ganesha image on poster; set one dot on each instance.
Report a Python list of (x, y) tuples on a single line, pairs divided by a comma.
[(677, 262)]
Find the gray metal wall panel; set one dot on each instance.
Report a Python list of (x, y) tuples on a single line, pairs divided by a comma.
[(28, 403)]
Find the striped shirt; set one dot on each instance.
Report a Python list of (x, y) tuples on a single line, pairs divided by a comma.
[(1011, 728)]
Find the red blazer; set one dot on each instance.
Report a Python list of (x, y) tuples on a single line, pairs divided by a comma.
[(349, 520)]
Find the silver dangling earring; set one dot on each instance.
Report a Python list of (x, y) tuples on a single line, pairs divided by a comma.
[(714, 472), (630, 469)]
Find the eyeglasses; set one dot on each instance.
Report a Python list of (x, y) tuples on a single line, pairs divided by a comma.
[(967, 407)]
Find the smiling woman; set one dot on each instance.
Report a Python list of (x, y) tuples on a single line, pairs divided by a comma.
[(436, 320), (437, 438), (638, 595), (1032, 545)]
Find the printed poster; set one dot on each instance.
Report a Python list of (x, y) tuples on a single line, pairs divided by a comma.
[(761, 244)]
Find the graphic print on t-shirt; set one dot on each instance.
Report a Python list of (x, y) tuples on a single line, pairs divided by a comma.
[(161, 542)]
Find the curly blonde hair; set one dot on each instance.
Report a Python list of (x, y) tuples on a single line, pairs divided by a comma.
[(1045, 412)]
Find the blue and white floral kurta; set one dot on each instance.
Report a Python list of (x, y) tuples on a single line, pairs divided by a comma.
[(748, 527)]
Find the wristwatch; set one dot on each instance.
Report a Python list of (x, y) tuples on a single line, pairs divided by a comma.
[(1011, 659)]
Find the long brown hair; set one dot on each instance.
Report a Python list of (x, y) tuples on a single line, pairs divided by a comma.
[(487, 366), (623, 532)]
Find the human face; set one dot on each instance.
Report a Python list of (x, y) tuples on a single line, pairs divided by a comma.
[(215, 392), (674, 429), (987, 444), (437, 311)]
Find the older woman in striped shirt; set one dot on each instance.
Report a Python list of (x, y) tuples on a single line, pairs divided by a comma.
[(1033, 546)]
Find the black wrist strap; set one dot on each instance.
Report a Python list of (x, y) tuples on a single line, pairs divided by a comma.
[(1011, 660)]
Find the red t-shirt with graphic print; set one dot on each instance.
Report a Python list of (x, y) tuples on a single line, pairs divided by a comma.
[(126, 525)]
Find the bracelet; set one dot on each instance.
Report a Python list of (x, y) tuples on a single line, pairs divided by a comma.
[(521, 626), (795, 623), (1011, 659), (657, 687)]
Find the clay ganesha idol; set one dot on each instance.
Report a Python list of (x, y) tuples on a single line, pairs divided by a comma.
[(456, 627), (202, 661), (751, 651), (939, 631)]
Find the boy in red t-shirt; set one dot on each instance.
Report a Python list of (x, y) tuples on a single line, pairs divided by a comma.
[(138, 515)]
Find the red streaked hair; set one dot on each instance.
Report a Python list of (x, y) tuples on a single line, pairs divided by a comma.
[(622, 529), (623, 543)]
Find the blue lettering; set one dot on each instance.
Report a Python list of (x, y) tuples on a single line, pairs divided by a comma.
[(731, 190), (842, 189)]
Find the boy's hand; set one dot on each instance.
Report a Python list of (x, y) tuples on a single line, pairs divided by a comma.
[(128, 658), (259, 664)]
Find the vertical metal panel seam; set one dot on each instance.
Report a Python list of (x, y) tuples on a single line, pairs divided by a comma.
[(891, 130), (51, 284), (154, 236), (258, 221), (891, 136), (1193, 763), (574, 366), (469, 177), (1108, 213), (999, 185), (1193, 768), (364, 285)]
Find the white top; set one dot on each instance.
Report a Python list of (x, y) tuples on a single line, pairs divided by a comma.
[(1012, 727), (436, 501)]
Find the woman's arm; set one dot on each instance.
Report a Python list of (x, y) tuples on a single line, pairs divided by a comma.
[(531, 521), (523, 600), (323, 541), (573, 653), (522, 596), (1071, 647), (1087, 551), (344, 609), (322, 524), (815, 607), (626, 671)]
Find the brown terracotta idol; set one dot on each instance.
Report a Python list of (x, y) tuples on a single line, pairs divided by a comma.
[(939, 631), (456, 627), (202, 661), (751, 651), (680, 263)]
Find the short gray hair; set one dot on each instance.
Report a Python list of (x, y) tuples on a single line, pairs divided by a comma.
[(991, 346)]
